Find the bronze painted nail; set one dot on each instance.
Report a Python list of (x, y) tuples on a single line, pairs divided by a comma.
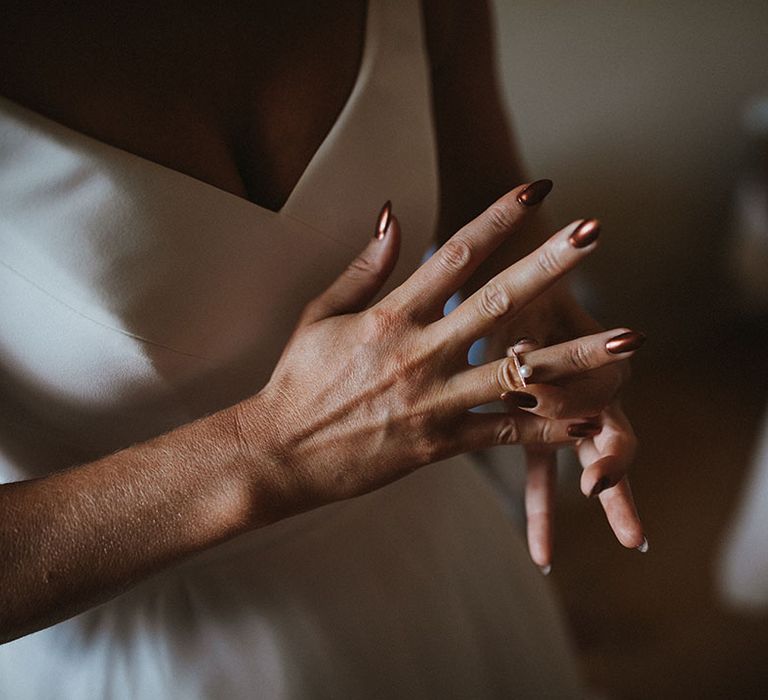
[(602, 483), (382, 222), (584, 430), (535, 193), (520, 399), (625, 342), (586, 233)]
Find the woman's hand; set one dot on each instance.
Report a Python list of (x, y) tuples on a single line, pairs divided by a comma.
[(605, 457), (363, 396)]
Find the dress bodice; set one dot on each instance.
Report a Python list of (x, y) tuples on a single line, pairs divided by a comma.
[(137, 298)]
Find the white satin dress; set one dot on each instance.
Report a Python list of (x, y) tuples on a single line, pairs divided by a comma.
[(135, 299)]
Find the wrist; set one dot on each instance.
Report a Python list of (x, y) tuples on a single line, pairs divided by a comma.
[(260, 460)]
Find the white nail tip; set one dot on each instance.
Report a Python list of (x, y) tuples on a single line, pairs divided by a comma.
[(546, 569), (643, 547)]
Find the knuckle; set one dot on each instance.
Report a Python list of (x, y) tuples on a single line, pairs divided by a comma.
[(362, 267), (428, 447), (455, 255), (380, 320), (508, 432), (548, 262), (503, 215), (506, 375), (546, 432), (580, 357), (494, 301)]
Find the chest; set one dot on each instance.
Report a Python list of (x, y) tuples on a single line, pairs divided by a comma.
[(239, 95), (136, 297)]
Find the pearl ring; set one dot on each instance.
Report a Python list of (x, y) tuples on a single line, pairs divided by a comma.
[(524, 371)]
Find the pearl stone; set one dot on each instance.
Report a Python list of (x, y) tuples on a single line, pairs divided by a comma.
[(525, 371)]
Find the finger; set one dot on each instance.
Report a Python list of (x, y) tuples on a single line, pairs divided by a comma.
[(453, 263), (539, 504), (482, 430), (556, 402), (586, 394), (608, 455), (509, 291), (557, 362), (619, 506), (523, 345), (607, 458), (363, 278)]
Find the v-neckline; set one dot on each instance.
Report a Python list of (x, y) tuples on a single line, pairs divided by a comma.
[(363, 71)]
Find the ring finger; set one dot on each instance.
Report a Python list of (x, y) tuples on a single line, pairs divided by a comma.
[(556, 362), (486, 383)]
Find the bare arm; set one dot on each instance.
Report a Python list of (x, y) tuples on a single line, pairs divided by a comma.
[(74, 539), (361, 397)]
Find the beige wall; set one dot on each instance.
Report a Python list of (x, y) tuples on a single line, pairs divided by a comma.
[(633, 108)]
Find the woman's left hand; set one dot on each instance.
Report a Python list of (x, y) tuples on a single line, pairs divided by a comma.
[(588, 389)]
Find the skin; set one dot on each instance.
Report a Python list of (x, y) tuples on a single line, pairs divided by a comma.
[(478, 164), (76, 538)]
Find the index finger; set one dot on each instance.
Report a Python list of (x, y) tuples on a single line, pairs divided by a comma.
[(508, 292), (429, 287)]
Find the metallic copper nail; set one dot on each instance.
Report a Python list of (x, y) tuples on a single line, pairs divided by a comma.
[(520, 399), (602, 483), (584, 430), (586, 233), (382, 222), (535, 193), (625, 342)]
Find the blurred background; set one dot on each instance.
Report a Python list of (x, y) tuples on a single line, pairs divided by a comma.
[(647, 115)]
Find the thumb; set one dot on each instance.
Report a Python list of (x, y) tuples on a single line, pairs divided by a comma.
[(354, 288)]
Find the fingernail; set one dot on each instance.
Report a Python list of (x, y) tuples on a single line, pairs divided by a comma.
[(382, 222), (643, 548), (602, 483), (520, 399), (586, 232), (545, 569), (626, 342), (535, 193), (584, 430)]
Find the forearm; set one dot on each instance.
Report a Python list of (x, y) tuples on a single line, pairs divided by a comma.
[(79, 537)]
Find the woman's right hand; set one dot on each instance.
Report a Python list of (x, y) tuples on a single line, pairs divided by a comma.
[(363, 396)]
